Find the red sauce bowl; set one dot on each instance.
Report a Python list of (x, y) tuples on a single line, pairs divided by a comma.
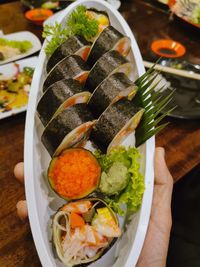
[(38, 15), (168, 48)]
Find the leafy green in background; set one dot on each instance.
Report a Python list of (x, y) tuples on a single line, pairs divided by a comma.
[(23, 46), (78, 23)]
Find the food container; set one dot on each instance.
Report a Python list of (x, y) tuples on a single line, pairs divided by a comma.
[(43, 203), (38, 15)]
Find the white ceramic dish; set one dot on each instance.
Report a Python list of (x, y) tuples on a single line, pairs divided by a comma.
[(42, 202), (9, 71), (22, 36)]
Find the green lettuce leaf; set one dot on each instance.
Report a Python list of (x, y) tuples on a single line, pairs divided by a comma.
[(132, 195)]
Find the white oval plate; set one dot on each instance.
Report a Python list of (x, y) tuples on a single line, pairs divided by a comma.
[(42, 201), (22, 36), (9, 70)]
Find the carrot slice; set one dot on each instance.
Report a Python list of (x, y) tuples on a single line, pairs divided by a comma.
[(76, 220)]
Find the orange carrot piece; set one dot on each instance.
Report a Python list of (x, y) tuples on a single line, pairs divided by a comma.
[(76, 220)]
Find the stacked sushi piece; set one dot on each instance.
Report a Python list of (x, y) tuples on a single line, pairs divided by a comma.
[(88, 93)]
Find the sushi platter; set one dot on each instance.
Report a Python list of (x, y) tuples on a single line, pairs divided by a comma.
[(89, 141)]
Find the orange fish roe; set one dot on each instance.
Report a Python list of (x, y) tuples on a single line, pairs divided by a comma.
[(75, 173)]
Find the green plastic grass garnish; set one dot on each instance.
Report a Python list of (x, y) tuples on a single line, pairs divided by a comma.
[(154, 103), (78, 23)]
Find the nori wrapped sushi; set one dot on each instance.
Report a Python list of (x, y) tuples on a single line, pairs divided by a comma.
[(109, 39), (109, 91), (83, 243), (115, 124), (109, 63), (70, 127), (58, 96), (70, 67), (73, 45)]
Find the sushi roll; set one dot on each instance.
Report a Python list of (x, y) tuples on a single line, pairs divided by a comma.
[(109, 63), (70, 127), (109, 39), (73, 45), (70, 67), (84, 230), (58, 96), (111, 90), (79, 177), (115, 124)]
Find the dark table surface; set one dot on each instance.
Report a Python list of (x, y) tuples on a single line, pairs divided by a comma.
[(180, 138)]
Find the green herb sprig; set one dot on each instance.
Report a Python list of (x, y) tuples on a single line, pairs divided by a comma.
[(59, 35), (78, 23)]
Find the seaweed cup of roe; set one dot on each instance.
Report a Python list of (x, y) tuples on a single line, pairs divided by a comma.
[(74, 174)]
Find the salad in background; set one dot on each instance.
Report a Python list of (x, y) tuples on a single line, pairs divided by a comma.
[(14, 90), (15, 82), (11, 48)]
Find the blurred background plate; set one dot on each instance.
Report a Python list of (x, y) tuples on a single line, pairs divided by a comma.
[(186, 10), (186, 96), (8, 71), (22, 36)]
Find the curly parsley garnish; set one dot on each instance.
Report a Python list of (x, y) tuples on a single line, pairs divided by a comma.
[(78, 23)]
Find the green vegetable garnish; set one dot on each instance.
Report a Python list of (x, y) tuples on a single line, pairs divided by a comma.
[(59, 35), (23, 46), (28, 71), (133, 192), (78, 23)]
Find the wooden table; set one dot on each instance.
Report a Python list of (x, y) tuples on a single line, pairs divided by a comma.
[(181, 139)]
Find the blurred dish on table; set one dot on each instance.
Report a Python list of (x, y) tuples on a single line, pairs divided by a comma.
[(187, 10), (38, 15), (17, 45), (168, 48), (186, 96), (15, 81)]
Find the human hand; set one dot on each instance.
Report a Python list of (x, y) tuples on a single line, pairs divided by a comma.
[(154, 251), (21, 206)]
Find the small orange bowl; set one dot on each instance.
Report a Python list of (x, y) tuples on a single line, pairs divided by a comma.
[(168, 48), (38, 15)]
